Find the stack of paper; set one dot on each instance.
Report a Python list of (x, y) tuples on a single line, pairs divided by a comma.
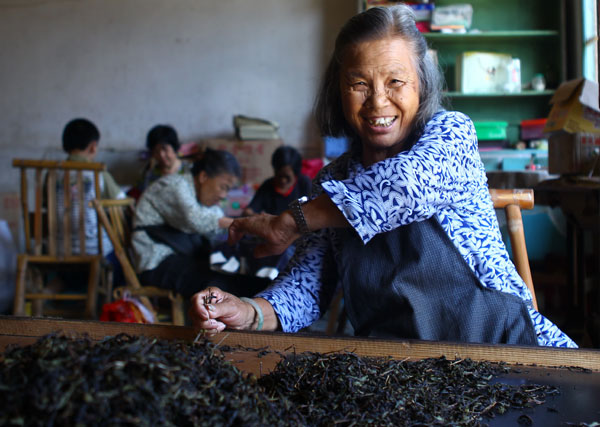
[(253, 128)]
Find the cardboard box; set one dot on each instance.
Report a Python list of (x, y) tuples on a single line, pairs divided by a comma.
[(574, 128), (254, 156), (573, 153), (575, 108)]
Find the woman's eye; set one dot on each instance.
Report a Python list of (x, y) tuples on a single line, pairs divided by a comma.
[(359, 86), (396, 83)]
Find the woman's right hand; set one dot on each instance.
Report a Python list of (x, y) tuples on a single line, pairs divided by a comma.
[(278, 232), (213, 310)]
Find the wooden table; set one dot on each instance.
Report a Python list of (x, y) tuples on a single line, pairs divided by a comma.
[(579, 199), (579, 400)]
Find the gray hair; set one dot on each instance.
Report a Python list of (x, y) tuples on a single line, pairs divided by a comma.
[(374, 24)]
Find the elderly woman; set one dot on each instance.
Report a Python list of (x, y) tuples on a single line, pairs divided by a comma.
[(403, 222), (176, 221)]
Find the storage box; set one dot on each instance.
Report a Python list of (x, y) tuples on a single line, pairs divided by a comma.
[(456, 15), (573, 153), (575, 108), (491, 131), (532, 129), (574, 126), (254, 156), (484, 72)]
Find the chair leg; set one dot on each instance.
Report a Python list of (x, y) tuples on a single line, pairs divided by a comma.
[(177, 314), (19, 301), (37, 305), (517, 241), (108, 286), (92, 294)]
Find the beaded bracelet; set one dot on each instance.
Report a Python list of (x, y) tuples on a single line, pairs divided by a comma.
[(258, 311)]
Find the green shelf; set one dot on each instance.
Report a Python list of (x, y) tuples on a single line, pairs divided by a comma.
[(532, 31), (489, 35), (525, 93)]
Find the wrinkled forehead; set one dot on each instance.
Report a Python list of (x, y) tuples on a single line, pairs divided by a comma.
[(390, 54)]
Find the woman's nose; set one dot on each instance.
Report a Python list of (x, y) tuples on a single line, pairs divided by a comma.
[(378, 97)]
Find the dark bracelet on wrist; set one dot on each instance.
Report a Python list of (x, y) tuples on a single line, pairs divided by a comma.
[(296, 211)]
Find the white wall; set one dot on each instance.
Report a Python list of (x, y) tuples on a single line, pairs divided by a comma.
[(130, 64)]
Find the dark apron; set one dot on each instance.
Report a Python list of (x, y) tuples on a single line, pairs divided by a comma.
[(412, 283), (188, 244)]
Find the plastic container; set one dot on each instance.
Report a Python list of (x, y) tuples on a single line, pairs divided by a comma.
[(538, 82), (491, 131), (335, 147), (532, 129)]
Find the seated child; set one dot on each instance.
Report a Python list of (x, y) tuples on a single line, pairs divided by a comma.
[(162, 143), (288, 184), (80, 140)]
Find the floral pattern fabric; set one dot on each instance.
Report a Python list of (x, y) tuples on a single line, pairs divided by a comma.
[(441, 176)]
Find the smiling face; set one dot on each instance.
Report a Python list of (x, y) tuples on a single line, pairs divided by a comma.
[(165, 157), (380, 95), (211, 190)]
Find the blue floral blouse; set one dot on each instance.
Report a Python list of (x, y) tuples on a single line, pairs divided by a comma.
[(441, 175)]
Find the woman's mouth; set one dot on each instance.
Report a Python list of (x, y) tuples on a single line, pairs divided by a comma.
[(382, 122)]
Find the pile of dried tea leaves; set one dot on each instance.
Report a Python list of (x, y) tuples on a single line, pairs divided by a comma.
[(345, 389), (126, 380)]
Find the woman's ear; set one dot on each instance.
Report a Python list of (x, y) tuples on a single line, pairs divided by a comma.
[(93, 148), (202, 177)]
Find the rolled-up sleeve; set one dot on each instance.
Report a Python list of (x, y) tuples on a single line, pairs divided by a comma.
[(304, 289), (437, 171)]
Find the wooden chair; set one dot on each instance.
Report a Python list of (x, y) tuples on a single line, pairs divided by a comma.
[(49, 226), (512, 201), (112, 216)]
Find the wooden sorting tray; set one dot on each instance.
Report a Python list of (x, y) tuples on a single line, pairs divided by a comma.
[(575, 371)]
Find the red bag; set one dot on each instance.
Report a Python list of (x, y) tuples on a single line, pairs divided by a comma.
[(123, 310)]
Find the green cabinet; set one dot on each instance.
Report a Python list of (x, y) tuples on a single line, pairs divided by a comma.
[(532, 31)]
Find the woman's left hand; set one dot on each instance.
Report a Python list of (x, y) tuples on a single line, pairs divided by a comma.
[(213, 310), (278, 232)]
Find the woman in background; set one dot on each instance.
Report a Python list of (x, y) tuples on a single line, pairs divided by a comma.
[(163, 144), (273, 197), (176, 221), (287, 184)]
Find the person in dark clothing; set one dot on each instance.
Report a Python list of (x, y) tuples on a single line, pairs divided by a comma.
[(287, 185), (273, 197)]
